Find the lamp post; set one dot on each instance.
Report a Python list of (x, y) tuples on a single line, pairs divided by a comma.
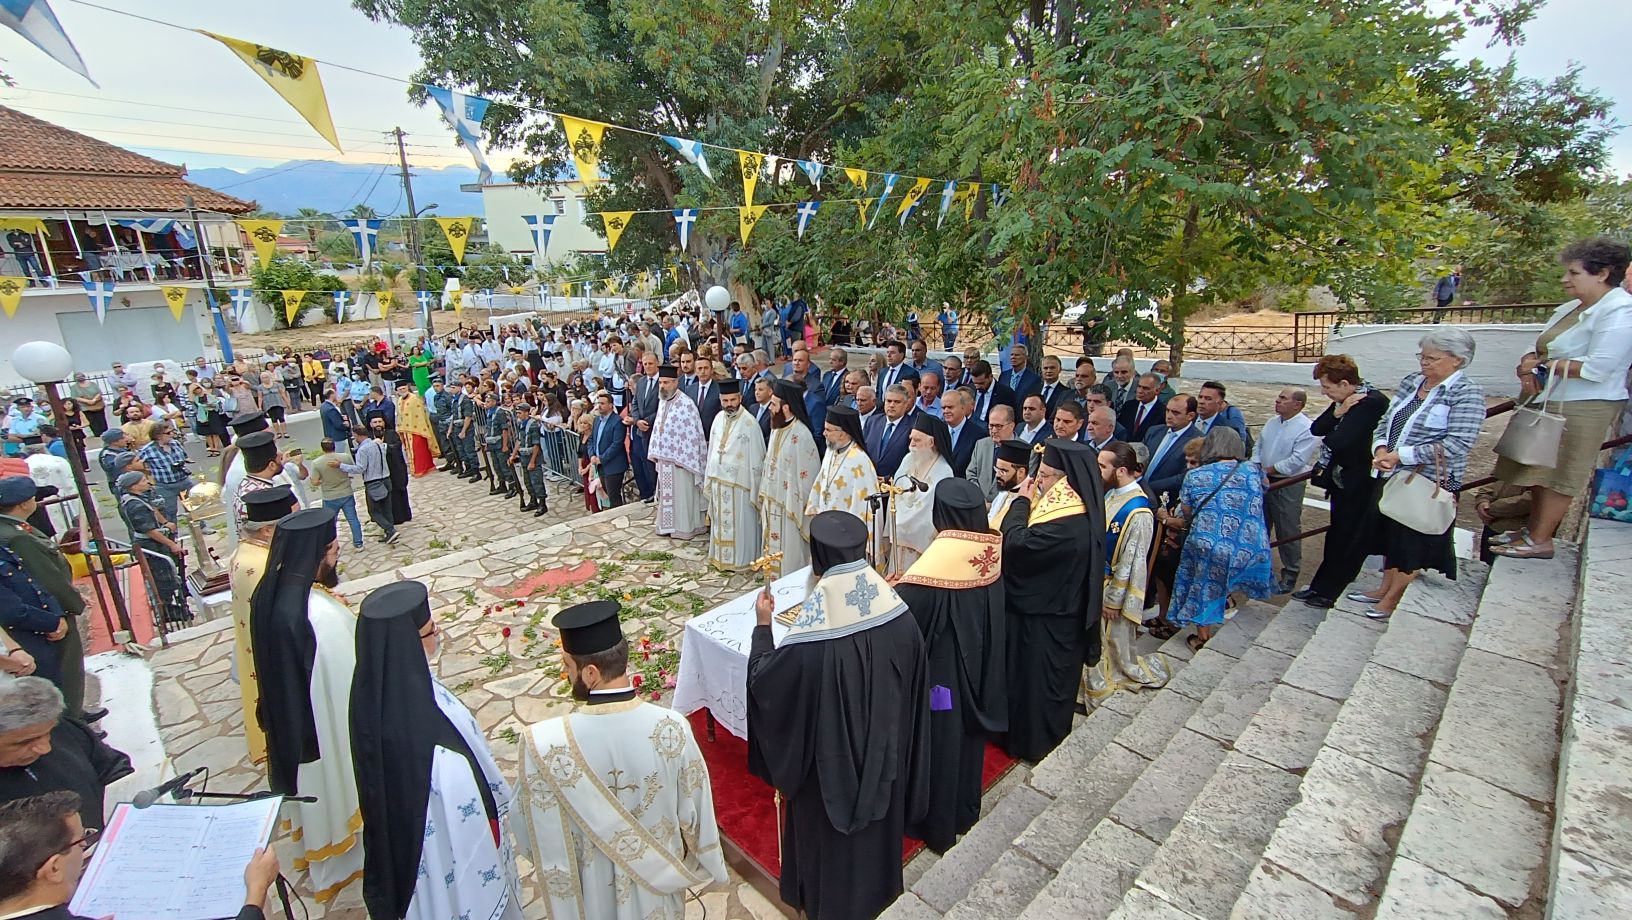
[(49, 364)]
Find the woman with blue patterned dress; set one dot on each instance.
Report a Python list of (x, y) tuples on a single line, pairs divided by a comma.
[(1228, 546)]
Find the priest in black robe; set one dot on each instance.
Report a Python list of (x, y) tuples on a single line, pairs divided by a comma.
[(838, 723), (396, 463), (1053, 579), (955, 593)]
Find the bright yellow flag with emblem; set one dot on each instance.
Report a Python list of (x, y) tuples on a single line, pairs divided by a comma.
[(458, 300), (751, 164), (748, 218), (11, 293), (263, 235), (175, 297), (294, 77), (858, 176), (616, 222), (970, 193), (386, 300), (457, 230), (584, 143), (291, 305), (862, 204), (912, 196)]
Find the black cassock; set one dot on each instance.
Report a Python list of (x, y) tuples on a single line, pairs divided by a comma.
[(839, 727), (1053, 606), (397, 464), (965, 633)]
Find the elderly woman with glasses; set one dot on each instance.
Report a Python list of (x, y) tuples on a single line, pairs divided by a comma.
[(1430, 428)]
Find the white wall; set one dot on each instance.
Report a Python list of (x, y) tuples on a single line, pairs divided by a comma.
[(1387, 353), (505, 203), (140, 330)]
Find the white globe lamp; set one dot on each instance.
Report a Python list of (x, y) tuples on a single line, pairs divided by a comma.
[(42, 362), (717, 298)]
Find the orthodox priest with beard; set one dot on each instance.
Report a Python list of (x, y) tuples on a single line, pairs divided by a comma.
[(263, 509), (736, 460), (679, 451), (838, 722), (1130, 528), (791, 465), (434, 803), (617, 813), (1010, 467), (395, 463), (1053, 578), (847, 476), (926, 466), (304, 645), (955, 593)]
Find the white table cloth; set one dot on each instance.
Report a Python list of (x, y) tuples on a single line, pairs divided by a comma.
[(714, 653)]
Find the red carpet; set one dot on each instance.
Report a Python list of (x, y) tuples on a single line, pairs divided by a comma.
[(743, 803), (97, 638)]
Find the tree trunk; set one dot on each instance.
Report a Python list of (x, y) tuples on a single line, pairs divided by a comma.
[(1182, 298)]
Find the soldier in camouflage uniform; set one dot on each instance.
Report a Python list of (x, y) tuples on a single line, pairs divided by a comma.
[(462, 431), (153, 534), (527, 459), (496, 436)]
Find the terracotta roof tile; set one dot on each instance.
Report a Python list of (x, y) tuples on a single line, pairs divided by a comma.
[(27, 142)]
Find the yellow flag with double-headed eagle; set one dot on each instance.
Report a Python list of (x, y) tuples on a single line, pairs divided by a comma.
[(263, 235), (584, 144), (458, 231), (751, 164), (11, 293), (175, 297), (616, 222), (295, 78), (748, 218), (291, 305)]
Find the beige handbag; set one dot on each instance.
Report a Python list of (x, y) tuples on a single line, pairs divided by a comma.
[(1418, 502), (1533, 435)]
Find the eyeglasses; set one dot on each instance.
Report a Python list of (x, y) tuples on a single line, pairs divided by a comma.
[(85, 843)]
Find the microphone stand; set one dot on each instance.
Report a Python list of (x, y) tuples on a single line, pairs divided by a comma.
[(282, 884), (879, 502)]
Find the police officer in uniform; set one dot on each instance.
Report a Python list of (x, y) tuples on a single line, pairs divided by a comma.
[(462, 431), (439, 406), (496, 436)]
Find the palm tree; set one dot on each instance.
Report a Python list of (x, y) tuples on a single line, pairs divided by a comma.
[(392, 271), (362, 212), (315, 221)]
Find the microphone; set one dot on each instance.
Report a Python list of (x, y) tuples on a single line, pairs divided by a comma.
[(918, 485), (148, 796)]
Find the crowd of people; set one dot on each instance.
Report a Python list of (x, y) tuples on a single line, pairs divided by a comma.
[(985, 548)]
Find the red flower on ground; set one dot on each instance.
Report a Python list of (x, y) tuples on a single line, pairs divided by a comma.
[(656, 695), (505, 632), (637, 680)]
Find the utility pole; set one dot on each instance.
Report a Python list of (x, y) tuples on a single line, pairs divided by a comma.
[(413, 224)]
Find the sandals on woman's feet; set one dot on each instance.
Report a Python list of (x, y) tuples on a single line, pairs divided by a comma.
[(1523, 549), (1195, 642), (1508, 537)]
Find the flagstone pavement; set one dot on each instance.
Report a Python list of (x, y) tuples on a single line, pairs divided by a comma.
[(493, 591)]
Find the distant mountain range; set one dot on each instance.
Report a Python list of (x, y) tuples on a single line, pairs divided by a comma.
[(336, 187)]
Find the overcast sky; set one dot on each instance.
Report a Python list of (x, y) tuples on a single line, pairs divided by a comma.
[(221, 114)]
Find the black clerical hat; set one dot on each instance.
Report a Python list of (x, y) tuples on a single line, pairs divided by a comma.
[(935, 428), (669, 371), (729, 386), (259, 448), (247, 422), (589, 628), (836, 537), (793, 394), (1014, 451), (310, 520), (400, 598), (265, 505), (959, 505), (847, 420)]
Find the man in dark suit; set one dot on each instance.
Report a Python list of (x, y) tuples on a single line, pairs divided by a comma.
[(1033, 427), (896, 369), (642, 413), (608, 458), (956, 409), (989, 392), (1101, 428), (888, 433), (1164, 473), (832, 382), (1143, 413), (1054, 390), (706, 393), (761, 406), (1022, 380), (1070, 421)]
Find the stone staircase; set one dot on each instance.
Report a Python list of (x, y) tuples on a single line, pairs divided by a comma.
[(1305, 765)]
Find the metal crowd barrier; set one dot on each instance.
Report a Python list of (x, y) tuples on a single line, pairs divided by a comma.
[(562, 447)]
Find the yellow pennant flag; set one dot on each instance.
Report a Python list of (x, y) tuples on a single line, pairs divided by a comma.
[(748, 217), (913, 194), (263, 235), (11, 293), (291, 305), (584, 143), (862, 204), (751, 164), (858, 176), (458, 300), (294, 77), (386, 300), (970, 193), (175, 297), (517, 289), (457, 230), (565, 288), (616, 222), (675, 271)]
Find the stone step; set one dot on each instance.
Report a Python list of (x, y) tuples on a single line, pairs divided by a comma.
[(1202, 865), (1329, 851), (1476, 839), (1160, 756)]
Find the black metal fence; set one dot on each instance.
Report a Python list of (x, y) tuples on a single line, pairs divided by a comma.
[(1310, 330)]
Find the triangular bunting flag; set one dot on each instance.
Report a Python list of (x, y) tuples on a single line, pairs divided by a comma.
[(949, 192), (175, 297), (971, 192), (365, 232), (11, 293), (857, 176), (861, 210), (748, 217), (33, 20), (458, 231), (341, 299), (539, 225), (806, 210), (813, 171), (910, 202), (243, 300), (751, 163), (616, 222), (997, 196), (294, 77), (291, 305), (386, 300), (889, 186), (675, 271), (683, 219), (692, 151), (457, 298), (584, 145), (263, 235), (101, 294), (465, 113)]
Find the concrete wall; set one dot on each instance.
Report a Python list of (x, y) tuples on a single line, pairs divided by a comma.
[(138, 327), (505, 204), (1387, 353)]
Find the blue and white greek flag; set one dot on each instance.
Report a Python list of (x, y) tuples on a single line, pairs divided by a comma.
[(149, 225), (465, 113), (366, 233), (33, 20), (889, 185), (341, 299), (813, 171), (806, 210), (997, 196), (539, 225), (691, 150), (425, 298), (101, 294), (243, 300), (683, 219), (948, 192)]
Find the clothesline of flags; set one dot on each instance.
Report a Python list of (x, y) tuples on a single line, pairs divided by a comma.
[(296, 79)]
